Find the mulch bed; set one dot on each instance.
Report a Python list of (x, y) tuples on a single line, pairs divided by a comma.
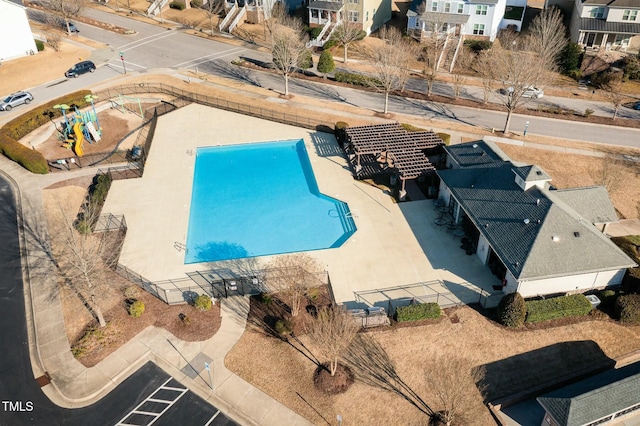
[(121, 327)]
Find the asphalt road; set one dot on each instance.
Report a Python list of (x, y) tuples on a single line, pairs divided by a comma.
[(22, 402)]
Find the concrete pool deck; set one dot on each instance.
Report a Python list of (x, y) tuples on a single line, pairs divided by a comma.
[(395, 244)]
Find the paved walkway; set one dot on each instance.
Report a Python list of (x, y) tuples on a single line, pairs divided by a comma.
[(74, 385)]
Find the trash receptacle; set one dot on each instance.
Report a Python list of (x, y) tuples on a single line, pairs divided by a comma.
[(593, 299)]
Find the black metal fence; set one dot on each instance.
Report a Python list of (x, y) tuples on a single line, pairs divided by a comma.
[(182, 95)]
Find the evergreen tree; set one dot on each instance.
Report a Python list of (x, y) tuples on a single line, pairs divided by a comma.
[(325, 63)]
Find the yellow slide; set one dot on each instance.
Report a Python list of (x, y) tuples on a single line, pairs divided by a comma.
[(77, 147)]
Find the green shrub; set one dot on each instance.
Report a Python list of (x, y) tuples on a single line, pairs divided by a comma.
[(266, 298), (588, 112), (627, 308), (332, 42), (340, 132), (177, 5), (512, 310), (355, 79), (418, 312), (570, 60), (446, 138), (410, 128), (28, 158), (39, 45), (136, 309), (195, 3), (306, 60), (326, 63), (557, 307), (607, 299), (313, 32), (478, 45), (283, 327), (203, 302), (313, 293)]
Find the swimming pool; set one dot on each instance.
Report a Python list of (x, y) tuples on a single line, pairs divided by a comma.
[(260, 199)]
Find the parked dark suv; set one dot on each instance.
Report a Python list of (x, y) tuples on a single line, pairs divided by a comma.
[(15, 99), (80, 68)]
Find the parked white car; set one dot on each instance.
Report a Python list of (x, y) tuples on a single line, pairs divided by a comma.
[(530, 92)]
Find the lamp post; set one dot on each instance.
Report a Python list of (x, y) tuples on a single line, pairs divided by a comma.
[(208, 367), (526, 127)]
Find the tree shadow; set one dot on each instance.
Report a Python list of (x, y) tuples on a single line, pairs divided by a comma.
[(235, 72), (516, 378), (438, 110), (371, 365)]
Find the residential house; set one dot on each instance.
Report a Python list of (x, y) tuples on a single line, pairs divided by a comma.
[(369, 15), (610, 397), (536, 239), (606, 24), (14, 24), (466, 18)]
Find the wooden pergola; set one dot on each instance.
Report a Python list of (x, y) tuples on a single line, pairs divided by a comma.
[(390, 148)]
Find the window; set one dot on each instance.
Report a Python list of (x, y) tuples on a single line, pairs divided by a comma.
[(597, 12), (354, 16), (418, 23), (353, 1), (460, 7), (622, 40), (447, 7), (629, 15), (481, 10), (434, 6), (314, 13), (367, 16), (478, 29)]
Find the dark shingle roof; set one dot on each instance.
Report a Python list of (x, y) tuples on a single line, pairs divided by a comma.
[(591, 202), (534, 233), (595, 397), (531, 173), (326, 5), (600, 25), (476, 153)]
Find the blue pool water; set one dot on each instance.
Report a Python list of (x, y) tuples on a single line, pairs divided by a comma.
[(260, 199)]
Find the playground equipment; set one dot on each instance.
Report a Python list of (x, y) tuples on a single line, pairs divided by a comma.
[(83, 126)]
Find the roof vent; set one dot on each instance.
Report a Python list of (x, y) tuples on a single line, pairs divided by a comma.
[(555, 238), (475, 145), (486, 225), (538, 172), (539, 221), (526, 221), (537, 201), (576, 234)]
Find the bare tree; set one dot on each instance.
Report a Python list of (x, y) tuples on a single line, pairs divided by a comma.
[(212, 8), (455, 386), (517, 70), (462, 66), (614, 92), (291, 275), (548, 36), (349, 29), (331, 333), (434, 44), (287, 42), (66, 9), (83, 257), (483, 66), (391, 62)]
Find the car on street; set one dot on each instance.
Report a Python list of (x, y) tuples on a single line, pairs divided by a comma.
[(529, 92), (14, 100), (80, 68), (72, 27)]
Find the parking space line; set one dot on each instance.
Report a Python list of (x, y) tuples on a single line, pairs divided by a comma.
[(156, 416), (211, 419)]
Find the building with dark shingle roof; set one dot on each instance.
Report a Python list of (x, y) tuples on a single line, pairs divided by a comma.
[(537, 240), (606, 24), (607, 397)]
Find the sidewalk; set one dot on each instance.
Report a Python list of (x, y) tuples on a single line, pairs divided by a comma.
[(72, 384)]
